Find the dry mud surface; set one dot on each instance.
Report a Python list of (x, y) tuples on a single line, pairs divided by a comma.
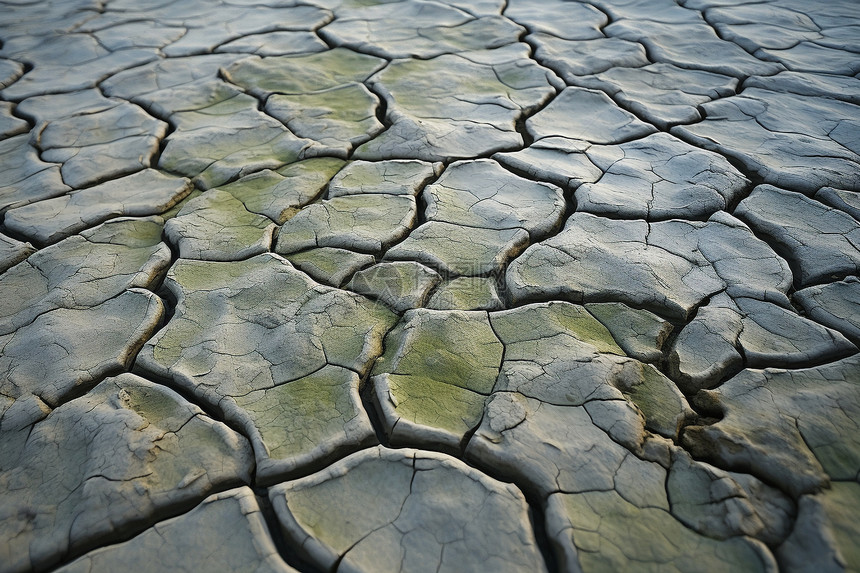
[(429, 285)]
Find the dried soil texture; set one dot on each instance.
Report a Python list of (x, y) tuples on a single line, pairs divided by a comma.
[(429, 285)]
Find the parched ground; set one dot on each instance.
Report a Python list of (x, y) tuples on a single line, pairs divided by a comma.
[(429, 285)]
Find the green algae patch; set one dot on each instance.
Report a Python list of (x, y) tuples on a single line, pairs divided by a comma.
[(426, 402), (329, 264), (306, 420), (438, 368), (467, 293), (133, 233), (340, 117), (281, 193), (612, 534), (639, 332), (303, 74), (549, 319), (657, 397), (452, 347)]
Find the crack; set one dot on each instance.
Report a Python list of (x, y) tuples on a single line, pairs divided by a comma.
[(212, 410), (708, 21), (381, 109), (421, 207), (283, 543), (131, 529), (11, 233), (366, 394), (343, 555), (536, 506), (537, 518)]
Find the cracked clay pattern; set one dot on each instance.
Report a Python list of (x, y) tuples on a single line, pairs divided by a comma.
[(429, 285)]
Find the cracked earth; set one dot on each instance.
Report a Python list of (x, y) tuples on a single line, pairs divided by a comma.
[(429, 285)]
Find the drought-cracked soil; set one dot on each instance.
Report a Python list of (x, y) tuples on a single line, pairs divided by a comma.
[(429, 285)]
